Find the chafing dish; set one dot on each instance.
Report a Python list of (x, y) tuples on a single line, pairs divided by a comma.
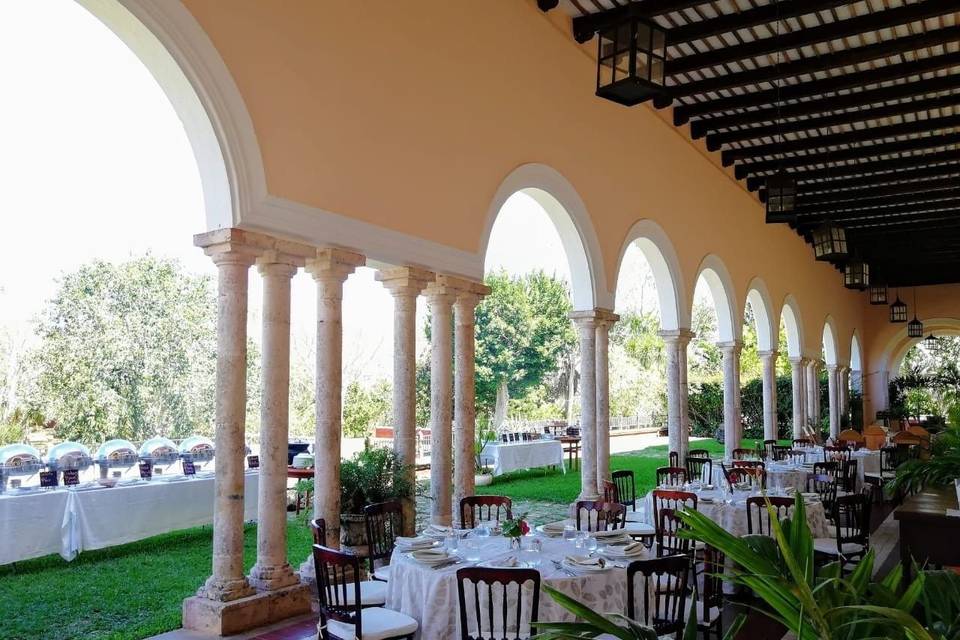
[(116, 454), (159, 451), (18, 460), (197, 449), (69, 455)]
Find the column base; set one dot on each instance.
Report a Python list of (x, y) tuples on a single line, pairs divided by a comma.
[(266, 578), (221, 618), (225, 590)]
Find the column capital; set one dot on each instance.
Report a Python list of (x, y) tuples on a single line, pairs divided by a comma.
[(405, 281), (250, 242), (272, 262), (731, 345), (769, 353), (800, 360), (595, 317), (681, 336), (333, 264), (834, 368)]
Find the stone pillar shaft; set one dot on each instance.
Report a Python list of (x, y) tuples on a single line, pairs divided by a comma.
[(405, 284), (678, 427), (833, 398), (731, 396), (441, 300), (602, 345), (768, 360), (272, 571), (813, 393), (465, 411), (588, 407), (798, 389)]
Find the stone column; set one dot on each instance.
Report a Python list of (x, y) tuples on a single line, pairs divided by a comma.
[(833, 398), (465, 412), (405, 284), (675, 345), (844, 390), (813, 393), (605, 320), (731, 396), (272, 571), (768, 360), (441, 296), (329, 269), (586, 322), (798, 388)]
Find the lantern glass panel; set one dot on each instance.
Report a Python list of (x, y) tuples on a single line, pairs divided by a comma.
[(781, 197), (659, 49), (878, 294), (915, 328), (898, 311)]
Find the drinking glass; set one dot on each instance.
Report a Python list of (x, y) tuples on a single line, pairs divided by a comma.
[(471, 550), (482, 530), (581, 539), (531, 555), (569, 532), (590, 543), (452, 541)]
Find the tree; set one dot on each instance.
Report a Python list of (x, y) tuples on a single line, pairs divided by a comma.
[(129, 350), (363, 407)]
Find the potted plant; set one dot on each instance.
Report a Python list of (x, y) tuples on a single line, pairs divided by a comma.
[(482, 475), (373, 475)]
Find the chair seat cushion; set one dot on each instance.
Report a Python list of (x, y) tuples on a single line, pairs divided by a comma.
[(639, 528), (372, 592), (829, 547), (382, 573), (378, 624), (884, 475), (705, 616)]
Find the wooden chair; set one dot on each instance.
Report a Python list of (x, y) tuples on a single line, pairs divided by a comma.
[(598, 515), (699, 469), (889, 461), (848, 476), (668, 541), (670, 499), (474, 509), (626, 488), (610, 492), (710, 604), (384, 522), (698, 453), (319, 528), (836, 454), (748, 464), (780, 452), (851, 517), (481, 620), (674, 458), (743, 454), (769, 448), (342, 614), (757, 508), (373, 593), (663, 589), (874, 437), (756, 477), (673, 476), (853, 438), (823, 482)]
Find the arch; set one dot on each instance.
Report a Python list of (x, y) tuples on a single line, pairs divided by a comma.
[(830, 342), (768, 333), (790, 314), (717, 277), (656, 247), (178, 53), (900, 343), (856, 355), (569, 215)]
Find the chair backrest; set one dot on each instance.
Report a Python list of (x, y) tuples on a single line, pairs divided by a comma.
[(748, 464), (384, 522), (319, 528), (823, 482), (673, 476), (874, 436), (610, 492), (759, 515), (713, 565), (851, 436), (851, 515), (476, 509), (890, 458), (668, 526), (674, 459), (848, 475), (781, 452), (756, 476), (626, 487), (768, 448), (670, 499), (663, 589), (796, 454), (338, 574), (699, 469), (838, 454), (802, 442), (599, 515), (698, 453), (497, 604), (743, 454)]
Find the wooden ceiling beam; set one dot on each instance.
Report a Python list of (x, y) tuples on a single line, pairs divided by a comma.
[(586, 26), (772, 12), (874, 190), (878, 204), (882, 170)]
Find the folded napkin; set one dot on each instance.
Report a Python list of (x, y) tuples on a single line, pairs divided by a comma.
[(506, 563), (436, 530), (611, 533), (429, 555), (415, 542), (583, 561), (631, 549)]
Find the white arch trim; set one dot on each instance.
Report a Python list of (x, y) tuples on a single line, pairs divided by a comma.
[(830, 343), (856, 356), (768, 333), (793, 322), (717, 277), (656, 247), (899, 344), (569, 215)]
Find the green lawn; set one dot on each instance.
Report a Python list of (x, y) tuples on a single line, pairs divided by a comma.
[(128, 592), (554, 486)]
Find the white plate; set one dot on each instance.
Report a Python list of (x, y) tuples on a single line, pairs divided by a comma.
[(549, 532), (419, 547), (582, 568)]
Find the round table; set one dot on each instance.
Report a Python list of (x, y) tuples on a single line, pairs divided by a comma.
[(430, 595), (780, 475)]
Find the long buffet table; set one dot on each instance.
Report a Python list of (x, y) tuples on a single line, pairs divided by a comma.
[(68, 521)]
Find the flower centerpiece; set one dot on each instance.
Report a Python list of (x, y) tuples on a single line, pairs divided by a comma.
[(514, 529)]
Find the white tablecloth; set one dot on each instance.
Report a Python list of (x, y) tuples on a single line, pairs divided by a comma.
[(67, 521), (514, 456), (430, 595)]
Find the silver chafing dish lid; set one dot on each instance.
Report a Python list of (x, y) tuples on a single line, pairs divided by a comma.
[(117, 451), (69, 455), (159, 449), (20, 459), (197, 448)]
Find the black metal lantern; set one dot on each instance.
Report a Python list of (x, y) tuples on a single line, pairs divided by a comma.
[(829, 242), (878, 294), (781, 197), (630, 61), (915, 328), (898, 311), (856, 275), (931, 342)]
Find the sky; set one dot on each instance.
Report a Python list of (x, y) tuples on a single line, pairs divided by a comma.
[(96, 165)]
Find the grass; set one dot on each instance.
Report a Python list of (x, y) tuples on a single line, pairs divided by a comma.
[(555, 486), (122, 593)]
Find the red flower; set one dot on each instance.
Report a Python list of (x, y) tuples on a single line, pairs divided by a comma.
[(524, 527)]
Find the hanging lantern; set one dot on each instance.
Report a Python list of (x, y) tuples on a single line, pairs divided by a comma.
[(931, 342), (915, 328), (878, 294), (856, 275), (781, 197), (898, 311), (829, 242), (630, 61)]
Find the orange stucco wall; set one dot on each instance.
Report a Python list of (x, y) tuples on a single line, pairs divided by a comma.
[(409, 116)]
